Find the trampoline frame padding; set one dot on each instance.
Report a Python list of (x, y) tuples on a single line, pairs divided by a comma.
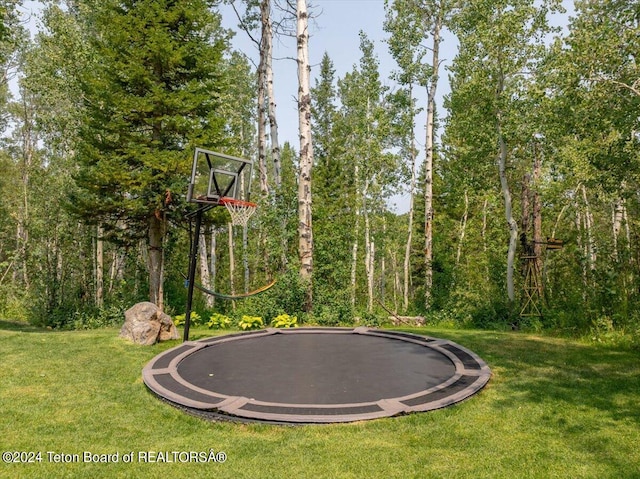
[(465, 375)]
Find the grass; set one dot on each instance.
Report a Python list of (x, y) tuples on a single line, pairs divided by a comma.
[(554, 408)]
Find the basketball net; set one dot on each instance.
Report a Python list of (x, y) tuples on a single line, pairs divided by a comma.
[(239, 210)]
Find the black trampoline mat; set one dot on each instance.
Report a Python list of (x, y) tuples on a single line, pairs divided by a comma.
[(316, 374), (316, 368)]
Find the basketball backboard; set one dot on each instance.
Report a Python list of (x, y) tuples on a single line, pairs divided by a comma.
[(216, 175)]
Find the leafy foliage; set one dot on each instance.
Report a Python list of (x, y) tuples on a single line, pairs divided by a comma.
[(149, 98), (194, 319), (284, 321), (250, 322), (219, 321), (112, 96)]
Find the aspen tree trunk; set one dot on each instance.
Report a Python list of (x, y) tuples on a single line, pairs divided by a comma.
[(463, 227), (205, 275), (508, 210), (412, 187), (483, 233), (59, 269), (99, 268), (526, 208), (525, 220), (618, 214), (22, 241), (582, 247), (368, 248), (627, 228), (232, 264), (213, 264), (266, 52), (265, 15), (22, 232), (354, 263), (115, 270), (396, 280), (616, 226), (506, 194), (305, 231), (588, 221), (383, 263), (555, 225), (428, 190), (354, 248), (371, 274), (262, 115), (245, 257), (536, 204), (356, 234)]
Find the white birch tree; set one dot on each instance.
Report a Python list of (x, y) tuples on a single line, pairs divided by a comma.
[(411, 24), (305, 227), (501, 45)]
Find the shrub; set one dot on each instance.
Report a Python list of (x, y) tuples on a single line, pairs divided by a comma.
[(332, 310), (250, 322), (87, 318), (287, 295), (195, 319), (284, 321), (325, 316), (219, 321), (372, 320)]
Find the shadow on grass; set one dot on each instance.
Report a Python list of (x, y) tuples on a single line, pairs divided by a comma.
[(537, 370), (21, 327)]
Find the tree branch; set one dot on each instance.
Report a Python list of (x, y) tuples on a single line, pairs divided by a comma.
[(243, 25), (634, 88)]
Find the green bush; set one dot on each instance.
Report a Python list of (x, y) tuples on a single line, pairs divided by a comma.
[(195, 319), (287, 295), (250, 322), (325, 316), (284, 321), (219, 321), (372, 320), (332, 309), (87, 318)]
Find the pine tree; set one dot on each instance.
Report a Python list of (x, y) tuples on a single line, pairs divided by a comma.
[(333, 212), (152, 96)]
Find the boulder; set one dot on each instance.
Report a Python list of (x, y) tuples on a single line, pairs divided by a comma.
[(145, 324)]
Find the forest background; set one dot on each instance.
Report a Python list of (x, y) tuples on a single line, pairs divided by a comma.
[(537, 147)]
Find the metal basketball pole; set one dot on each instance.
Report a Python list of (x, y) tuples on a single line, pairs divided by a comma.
[(192, 272)]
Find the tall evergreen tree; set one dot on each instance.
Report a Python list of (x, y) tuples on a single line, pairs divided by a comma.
[(152, 96), (333, 196)]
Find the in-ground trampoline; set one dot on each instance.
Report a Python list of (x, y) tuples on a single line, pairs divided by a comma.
[(315, 375)]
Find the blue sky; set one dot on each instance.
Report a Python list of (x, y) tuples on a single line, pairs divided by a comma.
[(335, 29)]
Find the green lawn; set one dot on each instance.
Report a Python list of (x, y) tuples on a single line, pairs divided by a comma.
[(554, 408)]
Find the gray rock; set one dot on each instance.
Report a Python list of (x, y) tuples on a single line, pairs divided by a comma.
[(145, 324)]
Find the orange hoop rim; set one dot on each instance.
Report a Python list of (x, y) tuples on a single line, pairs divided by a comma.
[(226, 200)]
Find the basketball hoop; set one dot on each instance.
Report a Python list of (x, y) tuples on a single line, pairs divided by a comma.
[(239, 210)]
